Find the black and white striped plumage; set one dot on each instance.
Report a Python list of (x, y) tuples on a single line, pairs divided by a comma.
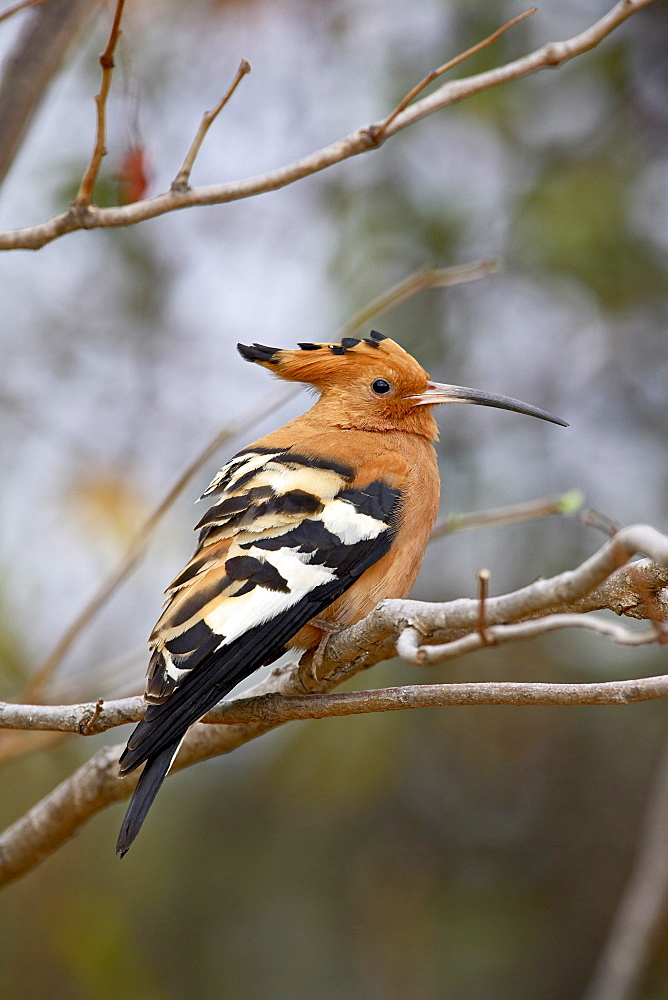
[(288, 533)]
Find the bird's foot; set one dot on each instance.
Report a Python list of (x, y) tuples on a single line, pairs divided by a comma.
[(309, 670)]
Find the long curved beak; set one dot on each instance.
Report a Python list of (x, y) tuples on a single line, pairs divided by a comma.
[(438, 393)]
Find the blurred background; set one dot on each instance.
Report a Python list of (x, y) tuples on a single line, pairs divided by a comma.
[(464, 853)]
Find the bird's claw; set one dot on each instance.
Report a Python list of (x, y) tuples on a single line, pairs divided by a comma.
[(309, 669)]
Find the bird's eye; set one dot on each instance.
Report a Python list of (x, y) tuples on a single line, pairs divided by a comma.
[(381, 386)]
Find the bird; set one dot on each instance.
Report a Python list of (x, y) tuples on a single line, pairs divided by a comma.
[(309, 528)]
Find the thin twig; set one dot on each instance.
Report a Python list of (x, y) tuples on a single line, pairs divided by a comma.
[(419, 281), (497, 635), (141, 539), (17, 8), (88, 726), (182, 180), (566, 504), (85, 192), (595, 519), (483, 586), (435, 73), (363, 140), (623, 962)]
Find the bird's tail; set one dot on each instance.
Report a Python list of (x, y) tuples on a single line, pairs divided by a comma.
[(152, 777)]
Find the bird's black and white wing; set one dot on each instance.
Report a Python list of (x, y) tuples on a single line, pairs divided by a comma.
[(286, 536)]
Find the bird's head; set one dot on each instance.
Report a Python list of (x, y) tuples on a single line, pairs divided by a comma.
[(373, 384)]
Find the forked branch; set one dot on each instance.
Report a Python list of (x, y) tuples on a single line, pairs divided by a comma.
[(393, 627), (364, 139)]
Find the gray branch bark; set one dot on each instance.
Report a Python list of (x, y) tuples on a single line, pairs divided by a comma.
[(284, 696), (363, 140)]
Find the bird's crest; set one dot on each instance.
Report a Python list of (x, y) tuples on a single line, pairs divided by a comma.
[(323, 364)]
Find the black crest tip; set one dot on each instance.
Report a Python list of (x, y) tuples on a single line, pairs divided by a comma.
[(258, 352), (337, 349), (370, 342), (377, 336), (309, 347), (349, 342)]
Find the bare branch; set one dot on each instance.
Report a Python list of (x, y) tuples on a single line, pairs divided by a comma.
[(85, 192), (435, 73), (401, 626), (182, 180), (633, 590), (17, 8), (410, 648), (96, 784), (87, 719), (275, 708), (142, 537), (549, 55), (420, 281), (566, 504), (560, 592), (637, 923)]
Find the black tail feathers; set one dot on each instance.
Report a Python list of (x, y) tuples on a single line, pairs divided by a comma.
[(152, 777)]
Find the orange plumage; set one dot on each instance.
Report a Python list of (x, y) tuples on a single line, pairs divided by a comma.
[(317, 521)]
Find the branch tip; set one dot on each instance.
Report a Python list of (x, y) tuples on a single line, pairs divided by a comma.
[(435, 73), (181, 182)]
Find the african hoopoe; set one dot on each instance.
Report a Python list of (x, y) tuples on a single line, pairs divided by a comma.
[(316, 522)]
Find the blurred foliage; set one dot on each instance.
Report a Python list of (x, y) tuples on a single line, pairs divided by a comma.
[(575, 221), (106, 508), (467, 853)]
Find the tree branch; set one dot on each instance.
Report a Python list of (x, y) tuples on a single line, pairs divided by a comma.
[(419, 281), (85, 192), (142, 538), (450, 64), (274, 708), (17, 8), (182, 180), (635, 590), (411, 650), (364, 139), (637, 922), (566, 504), (402, 626), (96, 784), (280, 698)]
